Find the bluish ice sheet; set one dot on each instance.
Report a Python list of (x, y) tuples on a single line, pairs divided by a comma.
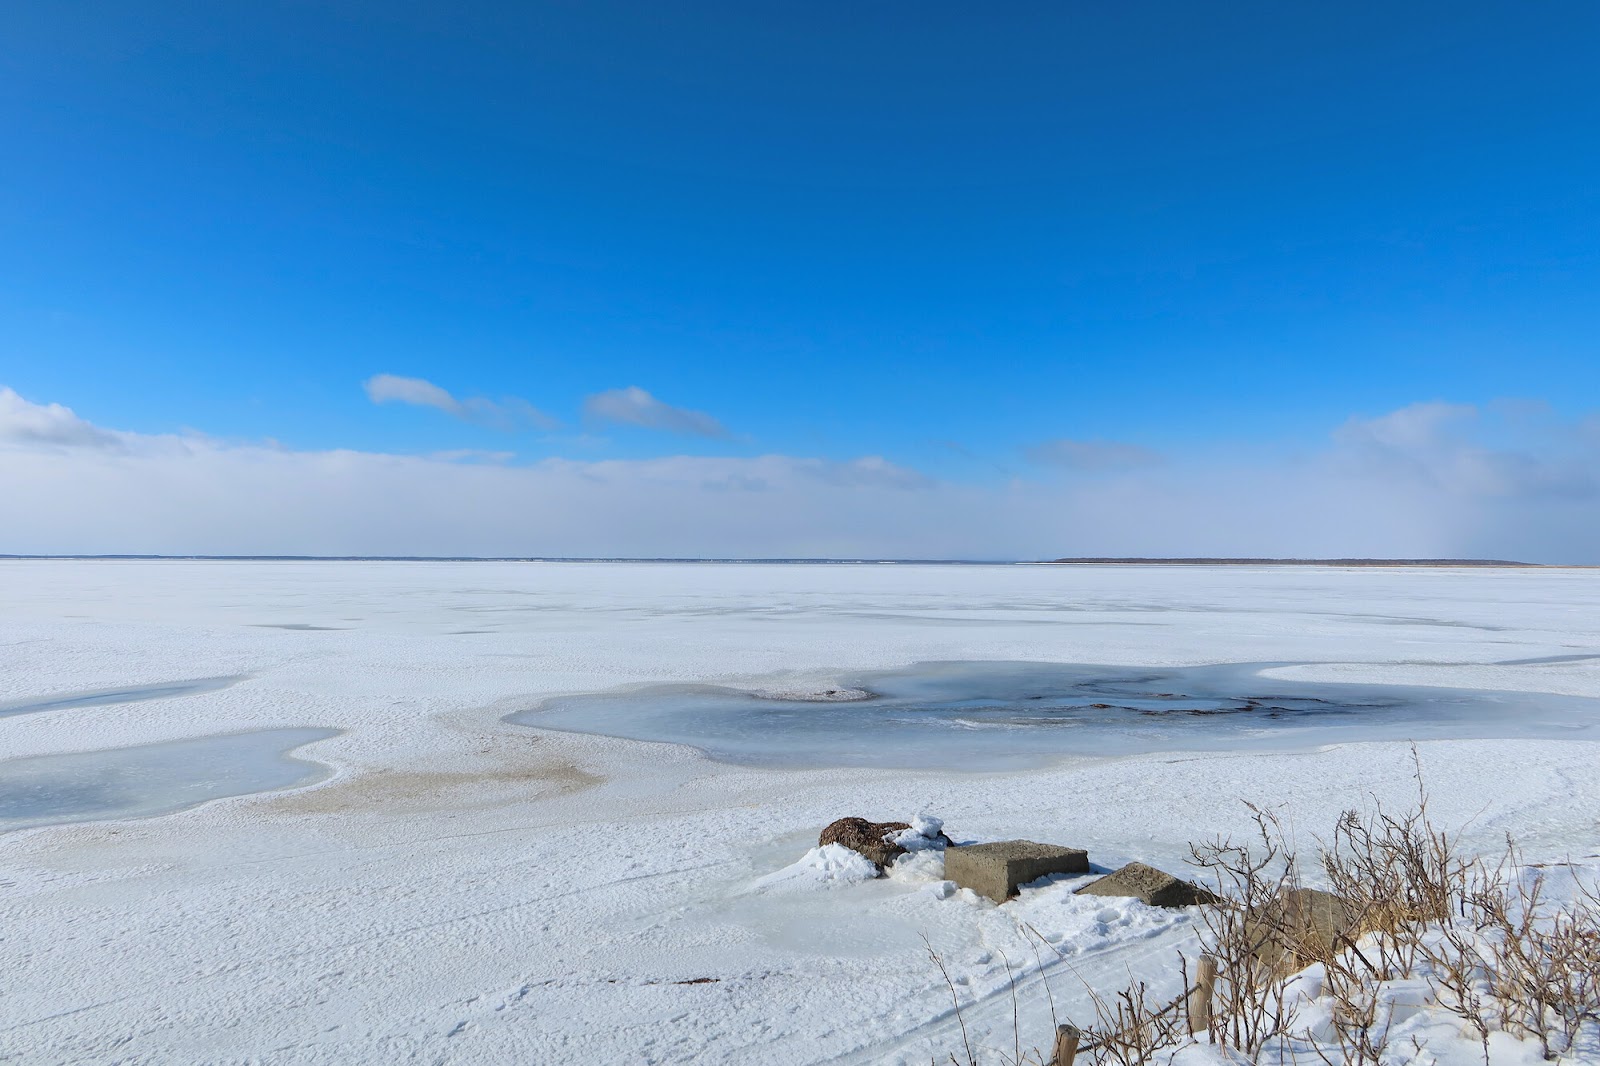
[(151, 779), (1008, 715), (107, 696)]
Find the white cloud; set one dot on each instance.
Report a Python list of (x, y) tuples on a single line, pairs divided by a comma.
[(1414, 482), (1432, 445), (27, 423), (1093, 455), (508, 414), (635, 407)]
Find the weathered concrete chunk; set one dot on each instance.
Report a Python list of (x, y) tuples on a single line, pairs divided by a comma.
[(1317, 920), (995, 870), (1306, 925), (874, 840), (1148, 885)]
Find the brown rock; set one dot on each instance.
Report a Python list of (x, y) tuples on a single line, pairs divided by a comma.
[(866, 838), (1148, 885)]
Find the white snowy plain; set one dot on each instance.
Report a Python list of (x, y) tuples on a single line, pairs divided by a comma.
[(466, 890)]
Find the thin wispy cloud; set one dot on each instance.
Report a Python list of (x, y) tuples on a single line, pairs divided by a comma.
[(959, 449), (1093, 455), (472, 455), (634, 406), (1417, 426), (507, 413), (869, 471)]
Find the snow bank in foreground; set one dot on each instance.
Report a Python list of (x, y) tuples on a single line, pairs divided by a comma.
[(1043, 947), (1508, 972)]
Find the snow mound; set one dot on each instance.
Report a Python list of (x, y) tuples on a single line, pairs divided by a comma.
[(829, 866), (923, 862), (924, 834)]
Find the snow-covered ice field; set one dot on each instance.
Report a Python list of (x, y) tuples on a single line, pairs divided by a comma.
[(429, 882)]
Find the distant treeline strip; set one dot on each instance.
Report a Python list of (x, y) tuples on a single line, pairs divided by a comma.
[(1296, 562)]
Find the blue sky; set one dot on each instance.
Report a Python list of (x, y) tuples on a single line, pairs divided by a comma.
[(984, 248)]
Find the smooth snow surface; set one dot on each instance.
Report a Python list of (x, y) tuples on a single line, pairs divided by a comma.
[(464, 889)]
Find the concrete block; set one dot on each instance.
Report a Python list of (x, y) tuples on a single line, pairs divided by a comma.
[(1148, 885), (995, 870)]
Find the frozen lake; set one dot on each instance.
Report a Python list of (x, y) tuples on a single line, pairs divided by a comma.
[(305, 832), (151, 779), (1003, 715)]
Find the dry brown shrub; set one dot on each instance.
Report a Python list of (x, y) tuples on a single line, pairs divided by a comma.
[(1129, 1029), (1481, 935), (1513, 956), (1246, 934)]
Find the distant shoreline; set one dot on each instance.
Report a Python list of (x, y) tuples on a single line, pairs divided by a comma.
[(1490, 563), (497, 559), (1083, 561)]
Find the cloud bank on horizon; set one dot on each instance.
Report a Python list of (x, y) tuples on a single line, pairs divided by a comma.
[(1426, 480)]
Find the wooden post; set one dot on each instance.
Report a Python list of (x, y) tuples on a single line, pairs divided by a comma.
[(1067, 1037), (1200, 996)]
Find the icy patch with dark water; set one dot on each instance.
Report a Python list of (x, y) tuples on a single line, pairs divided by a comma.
[(152, 779), (126, 694), (1007, 715)]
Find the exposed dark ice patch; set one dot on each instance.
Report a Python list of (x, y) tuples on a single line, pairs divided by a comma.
[(1000, 715), (130, 694), (299, 627), (153, 779), (1544, 660)]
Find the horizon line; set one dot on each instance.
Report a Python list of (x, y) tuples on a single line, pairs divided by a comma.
[(815, 560)]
